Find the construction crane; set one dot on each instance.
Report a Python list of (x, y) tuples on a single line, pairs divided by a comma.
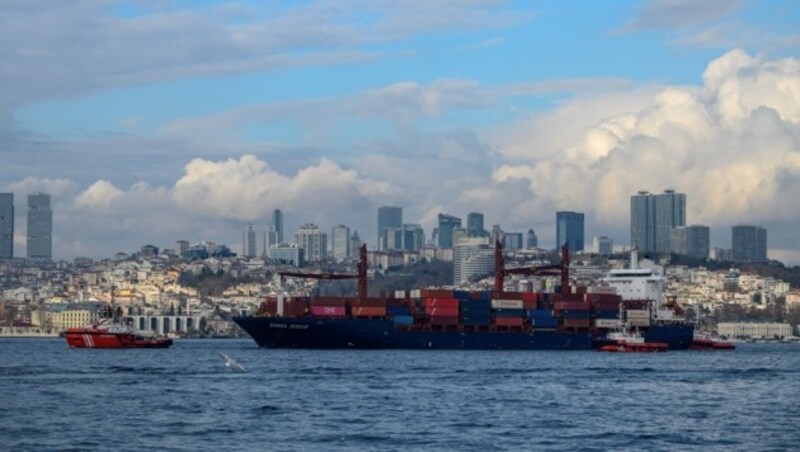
[(360, 275), (500, 272)]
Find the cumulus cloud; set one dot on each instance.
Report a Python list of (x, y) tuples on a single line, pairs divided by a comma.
[(732, 145)]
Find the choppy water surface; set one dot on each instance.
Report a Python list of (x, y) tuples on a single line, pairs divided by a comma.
[(184, 398)]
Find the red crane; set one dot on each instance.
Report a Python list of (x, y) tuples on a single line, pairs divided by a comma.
[(500, 271), (361, 274)]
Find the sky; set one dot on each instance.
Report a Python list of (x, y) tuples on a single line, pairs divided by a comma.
[(155, 121)]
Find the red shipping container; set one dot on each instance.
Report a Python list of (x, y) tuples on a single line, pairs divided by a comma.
[(368, 302), (507, 296), (443, 321), (368, 311), (577, 323), (607, 305), (329, 301), (508, 321), (529, 304), (530, 296), (572, 305), (440, 303), (573, 297), (441, 312), (437, 293), (328, 311)]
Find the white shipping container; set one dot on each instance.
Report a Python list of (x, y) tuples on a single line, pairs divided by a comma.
[(416, 293), (639, 322), (607, 323), (399, 293), (506, 304), (638, 314)]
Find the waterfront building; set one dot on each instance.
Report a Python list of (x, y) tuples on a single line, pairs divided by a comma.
[(755, 330), (249, 241), (569, 230), (447, 223), (532, 241), (748, 244), (6, 225), (475, 224), (313, 241), (340, 242), (40, 227), (652, 219), (277, 221), (602, 245), (388, 217)]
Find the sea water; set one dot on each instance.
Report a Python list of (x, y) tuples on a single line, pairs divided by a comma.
[(185, 398)]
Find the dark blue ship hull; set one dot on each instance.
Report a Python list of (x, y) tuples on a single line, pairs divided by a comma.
[(281, 332)]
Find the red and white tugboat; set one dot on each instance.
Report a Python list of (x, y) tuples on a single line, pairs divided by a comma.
[(622, 342), (112, 333), (705, 342)]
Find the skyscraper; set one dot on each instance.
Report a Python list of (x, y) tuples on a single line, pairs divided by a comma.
[(6, 225), (446, 225), (652, 219), (249, 241), (313, 241), (277, 221), (512, 240), (388, 217), (270, 238), (40, 227), (532, 241), (569, 230), (340, 242), (475, 224), (749, 244), (413, 237)]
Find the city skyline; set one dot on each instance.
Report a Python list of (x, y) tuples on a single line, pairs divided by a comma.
[(384, 104)]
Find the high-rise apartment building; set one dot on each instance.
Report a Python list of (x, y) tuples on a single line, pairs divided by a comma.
[(447, 223), (6, 225), (181, 248), (691, 241), (497, 234), (355, 243), (40, 227), (340, 242), (652, 219), (249, 241), (277, 221), (602, 245), (475, 225), (313, 241), (569, 230), (388, 217), (472, 257), (749, 244)]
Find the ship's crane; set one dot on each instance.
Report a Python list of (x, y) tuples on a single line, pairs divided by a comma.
[(360, 275), (500, 272)]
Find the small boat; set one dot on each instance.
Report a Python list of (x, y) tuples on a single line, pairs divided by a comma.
[(704, 342), (105, 334), (622, 342)]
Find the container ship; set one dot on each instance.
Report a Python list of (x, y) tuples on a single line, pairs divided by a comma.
[(469, 320)]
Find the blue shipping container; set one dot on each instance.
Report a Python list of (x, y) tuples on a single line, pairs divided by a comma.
[(540, 313), (606, 314), (398, 310), (544, 323), (476, 321), (403, 320), (574, 314)]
